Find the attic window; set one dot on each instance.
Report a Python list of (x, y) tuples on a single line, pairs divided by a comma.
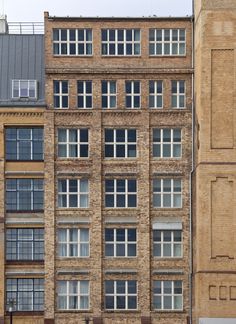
[(24, 89)]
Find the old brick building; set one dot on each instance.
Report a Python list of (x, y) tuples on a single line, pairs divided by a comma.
[(95, 175)]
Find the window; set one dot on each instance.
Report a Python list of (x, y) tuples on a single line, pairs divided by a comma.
[(24, 194), (108, 94), (73, 294), (73, 143), (167, 193), (167, 143), (28, 294), (120, 143), (121, 294), (167, 295), (73, 242), (132, 89), (167, 244), (61, 94), (120, 193), (167, 41), (120, 242), (155, 94), (24, 144), (84, 89), (24, 89), (73, 193), (25, 244), (72, 42), (178, 94), (121, 42)]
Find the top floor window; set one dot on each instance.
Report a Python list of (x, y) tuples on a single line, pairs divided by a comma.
[(24, 89), (24, 144), (167, 42), (121, 42), (72, 42)]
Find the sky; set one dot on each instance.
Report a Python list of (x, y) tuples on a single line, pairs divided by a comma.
[(32, 10)]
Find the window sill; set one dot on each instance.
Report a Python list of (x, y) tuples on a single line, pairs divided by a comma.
[(26, 262), (27, 313)]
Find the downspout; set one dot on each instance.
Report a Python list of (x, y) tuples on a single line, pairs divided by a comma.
[(191, 177)]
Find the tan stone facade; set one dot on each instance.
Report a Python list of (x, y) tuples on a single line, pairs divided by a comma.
[(97, 269), (214, 208)]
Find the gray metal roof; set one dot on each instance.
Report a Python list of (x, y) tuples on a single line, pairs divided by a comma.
[(21, 58)]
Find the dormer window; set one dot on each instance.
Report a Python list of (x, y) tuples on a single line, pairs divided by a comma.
[(24, 89)]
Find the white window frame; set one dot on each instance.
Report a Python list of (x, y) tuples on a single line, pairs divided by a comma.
[(156, 94), (169, 42), (109, 94), (85, 94), (61, 94), (115, 193), (178, 94), (172, 295), (126, 143), (116, 295), (76, 42), (133, 94), (162, 143), (116, 42), (116, 242), (67, 193), (172, 193), (29, 85), (172, 243), (77, 295), (68, 243), (68, 143)]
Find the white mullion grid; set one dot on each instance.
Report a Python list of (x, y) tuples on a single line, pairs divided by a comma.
[(126, 143), (115, 142), (78, 242), (31, 144), (125, 42), (109, 94), (84, 94), (116, 42), (115, 193), (68, 41), (172, 193), (126, 193), (115, 241), (126, 242), (132, 94), (171, 142)]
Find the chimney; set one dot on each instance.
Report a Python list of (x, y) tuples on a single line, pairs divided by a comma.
[(3, 24)]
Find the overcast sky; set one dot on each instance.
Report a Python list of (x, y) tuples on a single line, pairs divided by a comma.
[(32, 10)]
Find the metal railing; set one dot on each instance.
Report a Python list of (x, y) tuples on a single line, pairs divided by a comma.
[(26, 27)]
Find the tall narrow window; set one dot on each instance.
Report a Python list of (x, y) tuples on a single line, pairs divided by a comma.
[(25, 244), (167, 193), (84, 89), (121, 294), (133, 94), (120, 143), (73, 295), (155, 94), (73, 143), (28, 294), (73, 193), (24, 144), (61, 94), (121, 42), (120, 193), (178, 94), (108, 94), (24, 194), (167, 143), (72, 42), (73, 242), (24, 89), (167, 42), (168, 295)]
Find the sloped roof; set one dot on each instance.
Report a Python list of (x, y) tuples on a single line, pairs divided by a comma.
[(22, 58)]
